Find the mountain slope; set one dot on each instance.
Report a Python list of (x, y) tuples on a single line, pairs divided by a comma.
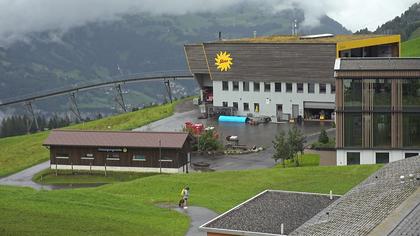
[(407, 25)]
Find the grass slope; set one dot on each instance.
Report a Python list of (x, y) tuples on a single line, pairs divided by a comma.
[(129, 208), (411, 48), (20, 152)]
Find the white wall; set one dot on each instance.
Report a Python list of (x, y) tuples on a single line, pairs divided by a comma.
[(273, 98), (369, 157), (119, 168)]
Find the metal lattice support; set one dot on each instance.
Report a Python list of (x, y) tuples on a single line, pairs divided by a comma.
[(74, 108), (30, 110), (119, 98), (168, 89)]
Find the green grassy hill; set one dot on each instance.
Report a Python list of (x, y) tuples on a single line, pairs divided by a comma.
[(411, 48)]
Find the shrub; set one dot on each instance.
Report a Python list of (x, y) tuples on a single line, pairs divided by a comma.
[(323, 137)]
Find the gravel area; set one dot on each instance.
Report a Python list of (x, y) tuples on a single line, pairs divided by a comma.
[(266, 212)]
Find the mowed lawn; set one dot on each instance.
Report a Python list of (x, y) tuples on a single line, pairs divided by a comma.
[(20, 152), (131, 208)]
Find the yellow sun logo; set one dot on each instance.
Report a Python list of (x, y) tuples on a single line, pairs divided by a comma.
[(223, 61)]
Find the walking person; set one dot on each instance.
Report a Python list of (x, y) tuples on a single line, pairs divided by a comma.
[(185, 194)]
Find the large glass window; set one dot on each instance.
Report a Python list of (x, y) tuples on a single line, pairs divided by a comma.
[(311, 87), (411, 93), (353, 158), (267, 87), (225, 85), (353, 130), (411, 130), (245, 86), (382, 157), (235, 86), (256, 86), (381, 130), (382, 93), (352, 93), (277, 87)]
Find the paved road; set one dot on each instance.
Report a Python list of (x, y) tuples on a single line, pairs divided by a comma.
[(199, 216), (24, 177)]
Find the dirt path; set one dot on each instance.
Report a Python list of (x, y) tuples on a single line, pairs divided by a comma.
[(24, 177)]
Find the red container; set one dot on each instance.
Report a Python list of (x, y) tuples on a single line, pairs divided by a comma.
[(197, 128)]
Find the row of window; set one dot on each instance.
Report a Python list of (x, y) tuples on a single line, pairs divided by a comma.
[(277, 87), (353, 158), (381, 91), (245, 106), (110, 157), (381, 128)]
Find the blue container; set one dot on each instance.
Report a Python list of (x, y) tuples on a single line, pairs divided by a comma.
[(237, 119)]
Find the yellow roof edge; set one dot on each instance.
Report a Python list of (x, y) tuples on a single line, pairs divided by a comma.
[(357, 43)]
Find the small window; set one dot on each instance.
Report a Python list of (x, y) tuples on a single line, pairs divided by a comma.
[(267, 87), (235, 86), (245, 86), (256, 86), (225, 85), (87, 156), (235, 105), (256, 107), (289, 87), (382, 157), (311, 88), (225, 104), (139, 158), (410, 154), (277, 87), (353, 158), (300, 87), (62, 156), (332, 88), (246, 106), (165, 159), (322, 88)]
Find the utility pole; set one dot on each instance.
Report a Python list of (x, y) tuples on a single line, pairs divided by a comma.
[(160, 156)]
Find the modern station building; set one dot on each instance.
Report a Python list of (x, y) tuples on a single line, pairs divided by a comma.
[(378, 109), (166, 152), (279, 76)]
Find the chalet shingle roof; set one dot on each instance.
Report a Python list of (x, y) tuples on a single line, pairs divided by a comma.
[(378, 64), (116, 139)]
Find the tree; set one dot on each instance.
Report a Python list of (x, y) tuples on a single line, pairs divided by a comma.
[(281, 148), (208, 141), (323, 137), (296, 142)]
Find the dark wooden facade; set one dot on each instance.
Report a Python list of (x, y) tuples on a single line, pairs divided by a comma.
[(173, 158)]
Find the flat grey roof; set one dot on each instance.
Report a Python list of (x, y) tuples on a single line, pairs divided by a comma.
[(368, 204), (264, 213), (377, 64)]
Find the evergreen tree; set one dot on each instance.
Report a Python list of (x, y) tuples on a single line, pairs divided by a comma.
[(281, 148), (323, 136)]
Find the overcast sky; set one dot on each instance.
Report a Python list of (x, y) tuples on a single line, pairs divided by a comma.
[(19, 17)]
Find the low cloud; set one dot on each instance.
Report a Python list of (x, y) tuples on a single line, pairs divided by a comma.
[(18, 18)]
